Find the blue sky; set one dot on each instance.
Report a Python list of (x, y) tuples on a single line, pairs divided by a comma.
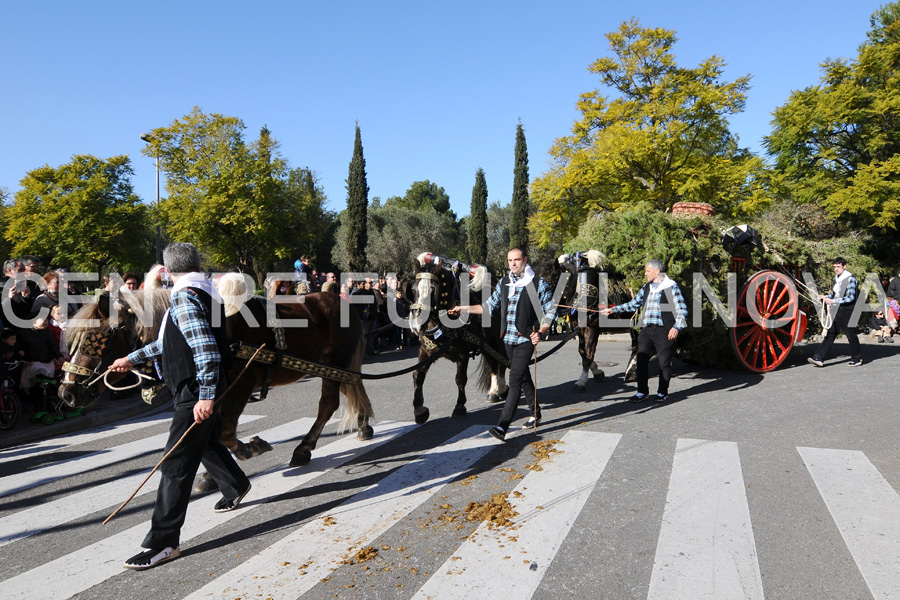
[(437, 88)]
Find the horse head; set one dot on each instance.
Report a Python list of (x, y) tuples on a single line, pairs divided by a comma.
[(437, 288), (103, 331)]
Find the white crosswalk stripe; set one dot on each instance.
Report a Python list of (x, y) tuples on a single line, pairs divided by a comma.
[(705, 547), (45, 516), (866, 510), (95, 460)]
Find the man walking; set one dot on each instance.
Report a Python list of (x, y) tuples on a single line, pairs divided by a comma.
[(660, 323), (193, 349), (843, 293), (513, 300)]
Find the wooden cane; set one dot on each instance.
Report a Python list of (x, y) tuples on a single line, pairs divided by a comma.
[(181, 439), (535, 385)]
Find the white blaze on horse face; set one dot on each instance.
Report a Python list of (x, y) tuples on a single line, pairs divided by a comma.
[(423, 298)]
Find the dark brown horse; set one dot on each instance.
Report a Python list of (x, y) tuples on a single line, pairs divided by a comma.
[(323, 340), (438, 286), (589, 286)]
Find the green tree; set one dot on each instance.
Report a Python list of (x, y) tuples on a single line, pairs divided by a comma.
[(837, 143), (421, 195), (477, 225), (357, 206), (521, 204), (225, 195), (661, 137), (83, 214), (308, 202), (498, 219)]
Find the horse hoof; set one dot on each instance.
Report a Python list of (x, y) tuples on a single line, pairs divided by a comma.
[(459, 411), (579, 389), (301, 457), (504, 394), (258, 446), (599, 376), (365, 433), (493, 398), (422, 415), (205, 483)]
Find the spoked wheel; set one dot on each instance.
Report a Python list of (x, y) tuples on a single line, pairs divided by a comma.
[(768, 321), (9, 410)]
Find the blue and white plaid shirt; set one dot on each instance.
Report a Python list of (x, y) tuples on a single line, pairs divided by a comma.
[(850, 291), (545, 297), (652, 314), (192, 320)]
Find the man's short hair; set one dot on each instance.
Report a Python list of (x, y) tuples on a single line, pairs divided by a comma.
[(11, 265), (524, 254), (7, 333), (655, 263), (840, 260), (181, 257)]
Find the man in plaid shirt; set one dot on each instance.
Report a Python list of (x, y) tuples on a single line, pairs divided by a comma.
[(659, 327), (513, 299), (193, 350), (843, 293)]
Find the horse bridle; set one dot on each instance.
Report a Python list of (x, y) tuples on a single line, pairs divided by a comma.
[(418, 306), (92, 346)]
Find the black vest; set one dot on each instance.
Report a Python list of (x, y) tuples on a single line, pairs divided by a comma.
[(178, 359), (667, 299), (526, 316)]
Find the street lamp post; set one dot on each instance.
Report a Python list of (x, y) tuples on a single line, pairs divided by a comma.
[(149, 138)]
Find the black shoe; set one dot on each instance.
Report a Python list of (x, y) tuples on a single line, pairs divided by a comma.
[(225, 505), (855, 363), (498, 433), (531, 423), (661, 398), (638, 398), (151, 558)]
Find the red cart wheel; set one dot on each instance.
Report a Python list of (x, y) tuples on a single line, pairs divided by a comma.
[(768, 321)]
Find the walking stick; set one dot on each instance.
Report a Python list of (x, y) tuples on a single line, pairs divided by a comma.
[(535, 387), (181, 439)]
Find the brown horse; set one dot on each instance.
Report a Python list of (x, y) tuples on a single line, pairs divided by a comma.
[(438, 288), (101, 339), (584, 289)]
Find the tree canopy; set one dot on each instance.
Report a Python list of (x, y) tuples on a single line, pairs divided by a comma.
[(355, 232), (836, 143), (421, 195), (83, 214), (521, 204), (235, 200), (661, 137), (477, 243)]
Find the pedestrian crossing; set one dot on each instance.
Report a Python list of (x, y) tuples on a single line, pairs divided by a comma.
[(705, 546)]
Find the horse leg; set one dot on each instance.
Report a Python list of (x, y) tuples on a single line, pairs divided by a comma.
[(498, 390), (462, 376), (591, 348), (631, 369), (364, 430), (419, 409), (232, 406), (581, 384), (328, 403)]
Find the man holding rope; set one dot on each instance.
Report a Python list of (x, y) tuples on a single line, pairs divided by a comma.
[(194, 354), (843, 293), (513, 299), (664, 313)]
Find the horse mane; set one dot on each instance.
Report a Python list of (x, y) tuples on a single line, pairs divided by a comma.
[(152, 278), (135, 303), (234, 291)]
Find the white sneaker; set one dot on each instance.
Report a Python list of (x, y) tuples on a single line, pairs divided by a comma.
[(151, 558)]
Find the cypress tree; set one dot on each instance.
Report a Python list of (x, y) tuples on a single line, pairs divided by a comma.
[(477, 244), (521, 205), (357, 208)]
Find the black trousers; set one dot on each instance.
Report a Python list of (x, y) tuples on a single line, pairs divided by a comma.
[(841, 323), (202, 445), (520, 357), (650, 337)]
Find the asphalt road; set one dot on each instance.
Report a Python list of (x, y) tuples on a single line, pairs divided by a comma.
[(741, 486)]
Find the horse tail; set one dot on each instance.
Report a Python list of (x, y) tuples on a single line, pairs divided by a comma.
[(358, 403), (486, 367)]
